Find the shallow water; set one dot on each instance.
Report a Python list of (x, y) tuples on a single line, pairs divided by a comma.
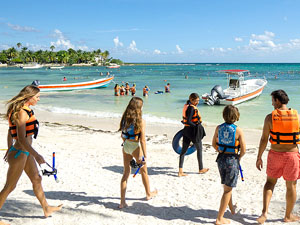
[(159, 108)]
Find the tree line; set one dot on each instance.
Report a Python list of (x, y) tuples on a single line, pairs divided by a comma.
[(23, 55)]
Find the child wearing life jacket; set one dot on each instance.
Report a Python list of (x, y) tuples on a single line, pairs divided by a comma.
[(229, 141)]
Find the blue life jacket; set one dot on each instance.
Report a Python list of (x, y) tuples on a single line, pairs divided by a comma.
[(129, 133), (226, 139)]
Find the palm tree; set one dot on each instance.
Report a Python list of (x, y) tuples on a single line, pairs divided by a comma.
[(52, 47), (19, 44)]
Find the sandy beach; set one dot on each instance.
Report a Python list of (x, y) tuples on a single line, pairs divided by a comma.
[(89, 162)]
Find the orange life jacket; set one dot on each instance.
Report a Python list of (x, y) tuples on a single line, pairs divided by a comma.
[(285, 127), (196, 117), (32, 125)]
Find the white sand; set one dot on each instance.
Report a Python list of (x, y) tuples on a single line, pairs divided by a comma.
[(89, 162)]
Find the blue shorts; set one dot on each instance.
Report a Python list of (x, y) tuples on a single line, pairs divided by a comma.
[(229, 169)]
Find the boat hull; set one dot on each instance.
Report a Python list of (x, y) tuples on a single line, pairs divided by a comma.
[(100, 83), (240, 95)]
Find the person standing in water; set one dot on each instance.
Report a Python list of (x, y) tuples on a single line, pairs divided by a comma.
[(167, 88), (21, 156), (133, 90), (134, 146), (193, 131), (282, 126)]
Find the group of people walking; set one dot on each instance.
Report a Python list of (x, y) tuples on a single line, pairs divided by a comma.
[(282, 125)]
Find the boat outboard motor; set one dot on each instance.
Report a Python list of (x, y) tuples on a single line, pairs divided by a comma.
[(36, 83), (216, 94)]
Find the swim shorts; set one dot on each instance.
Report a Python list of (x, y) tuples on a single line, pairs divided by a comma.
[(284, 164), (229, 169)]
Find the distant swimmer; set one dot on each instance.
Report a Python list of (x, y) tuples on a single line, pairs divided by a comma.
[(122, 90), (127, 88), (133, 90), (146, 90), (64, 79), (117, 89), (167, 88), (101, 74), (107, 73)]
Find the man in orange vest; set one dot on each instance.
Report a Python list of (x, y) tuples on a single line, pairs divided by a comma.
[(282, 125)]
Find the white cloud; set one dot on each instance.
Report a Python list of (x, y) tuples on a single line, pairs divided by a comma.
[(117, 42), (21, 28), (62, 42), (263, 37), (238, 39), (157, 52), (133, 47), (179, 49), (262, 42)]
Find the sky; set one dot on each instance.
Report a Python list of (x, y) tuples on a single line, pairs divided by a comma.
[(164, 31)]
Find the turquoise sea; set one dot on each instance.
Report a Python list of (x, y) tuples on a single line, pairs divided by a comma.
[(158, 108)]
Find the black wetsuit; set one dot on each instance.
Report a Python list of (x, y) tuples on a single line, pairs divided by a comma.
[(193, 133)]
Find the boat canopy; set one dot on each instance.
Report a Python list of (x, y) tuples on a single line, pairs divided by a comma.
[(233, 71)]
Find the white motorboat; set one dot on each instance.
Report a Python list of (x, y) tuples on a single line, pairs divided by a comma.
[(36, 66), (239, 90), (113, 66), (56, 67)]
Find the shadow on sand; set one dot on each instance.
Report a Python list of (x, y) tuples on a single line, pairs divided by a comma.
[(151, 170), (141, 207)]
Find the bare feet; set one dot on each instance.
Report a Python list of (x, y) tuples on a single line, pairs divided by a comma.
[(182, 174), (222, 221), (204, 170), (152, 195), (51, 209), (3, 223), (262, 218), (292, 218), (123, 205), (232, 209)]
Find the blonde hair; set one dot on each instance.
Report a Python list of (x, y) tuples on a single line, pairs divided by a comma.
[(16, 103), (132, 115)]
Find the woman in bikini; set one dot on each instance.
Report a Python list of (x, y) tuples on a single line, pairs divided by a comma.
[(133, 134), (20, 154)]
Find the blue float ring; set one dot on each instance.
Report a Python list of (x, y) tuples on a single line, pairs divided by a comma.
[(177, 148)]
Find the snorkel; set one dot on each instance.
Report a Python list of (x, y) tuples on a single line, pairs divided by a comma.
[(134, 165), (54, 170)]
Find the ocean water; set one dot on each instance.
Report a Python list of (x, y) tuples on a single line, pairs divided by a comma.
[(158, 108)]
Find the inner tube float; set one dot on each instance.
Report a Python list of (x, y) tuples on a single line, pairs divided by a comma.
[(177, 148)]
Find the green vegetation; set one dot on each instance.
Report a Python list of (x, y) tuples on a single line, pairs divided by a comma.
[(22, 55)]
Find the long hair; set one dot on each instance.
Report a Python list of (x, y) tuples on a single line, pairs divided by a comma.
[(16, 103), (132, 115)]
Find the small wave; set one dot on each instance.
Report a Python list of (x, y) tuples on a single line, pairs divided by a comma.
[(99, 114)]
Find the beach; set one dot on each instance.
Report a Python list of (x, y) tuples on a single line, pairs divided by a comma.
[(89, 162)]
